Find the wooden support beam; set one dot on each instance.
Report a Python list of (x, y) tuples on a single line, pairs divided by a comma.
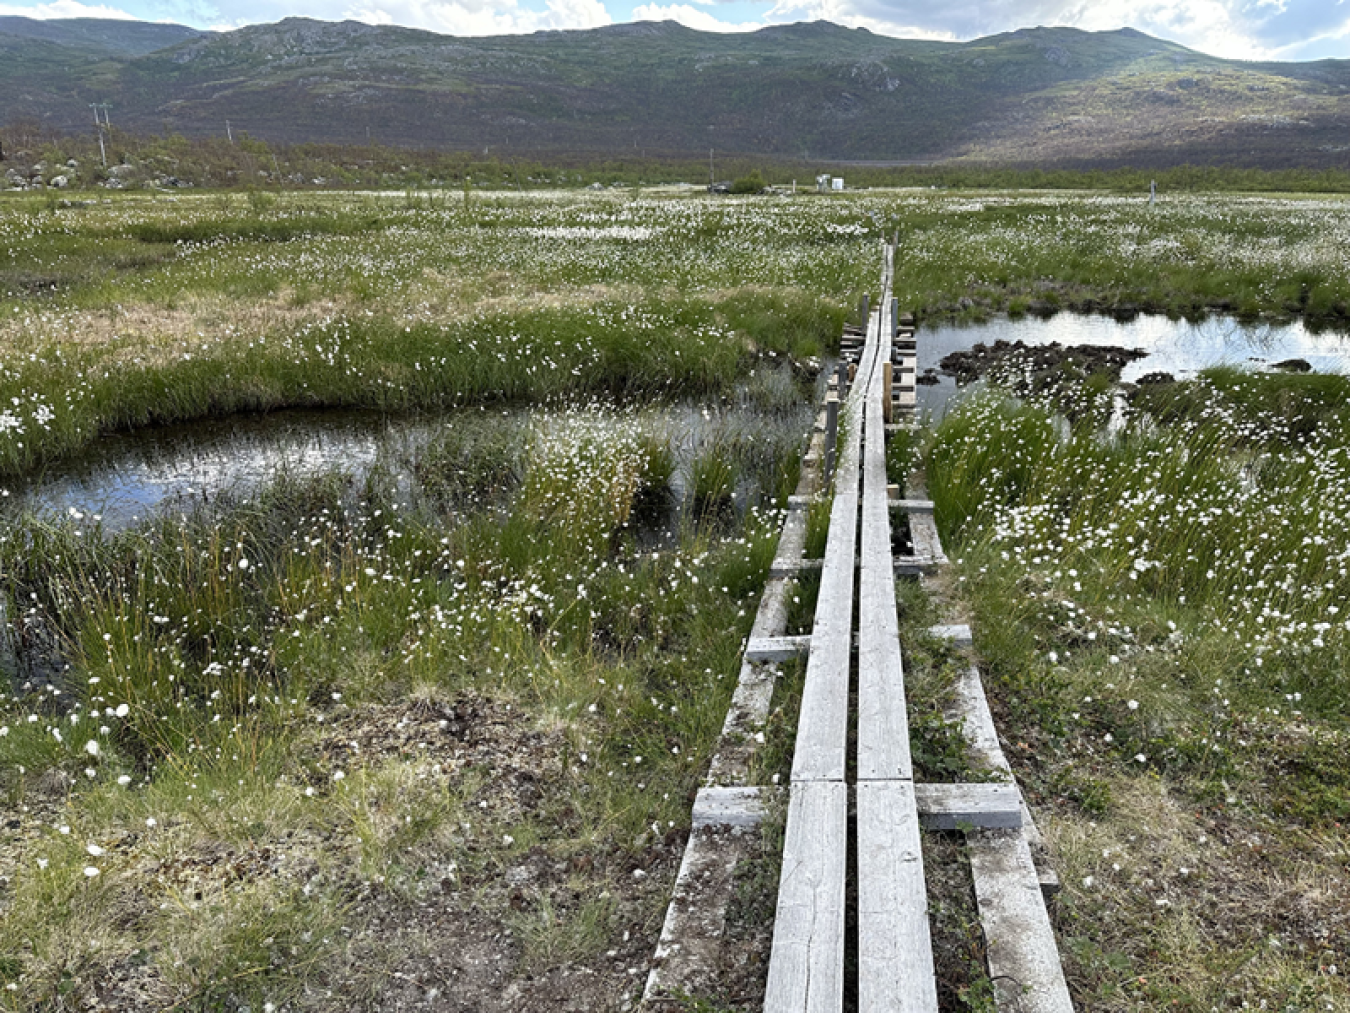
[(915, 566), (728, 807), (912, 506), (1019, 939), (790, 568), (993, 806), (773, 649), (887, 381), (923, 535), (688, 955)]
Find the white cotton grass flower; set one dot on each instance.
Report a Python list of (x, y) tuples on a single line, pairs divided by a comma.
[(94, 850), (90, 871), (91, 747)]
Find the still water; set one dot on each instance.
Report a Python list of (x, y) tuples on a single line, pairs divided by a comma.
[(123, 478), (1173, 346)]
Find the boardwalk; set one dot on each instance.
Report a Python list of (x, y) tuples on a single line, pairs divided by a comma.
[(854, 652)]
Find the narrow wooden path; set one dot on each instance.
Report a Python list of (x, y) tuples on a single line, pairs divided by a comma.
[(861, 816)]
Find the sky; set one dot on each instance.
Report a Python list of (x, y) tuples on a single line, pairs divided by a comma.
[(1238, 29)]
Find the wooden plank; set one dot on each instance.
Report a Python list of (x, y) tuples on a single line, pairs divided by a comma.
[(914, 566), (912, 506), (883, 725), (769, 649), (970, 707), (750, 702), (822, 728), (1019, 939), (790, 568), (728, 806), (992, 806), (806, 964), (895, 952), (923, 535), (689, 953)]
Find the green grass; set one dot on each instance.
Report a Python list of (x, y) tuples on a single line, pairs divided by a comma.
[(1161, 614), (239, 678)]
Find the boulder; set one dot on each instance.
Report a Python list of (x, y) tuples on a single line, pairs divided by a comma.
[(1293, 366)]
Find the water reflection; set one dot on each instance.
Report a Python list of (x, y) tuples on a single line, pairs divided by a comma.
[(122, 479), (1178, 347)]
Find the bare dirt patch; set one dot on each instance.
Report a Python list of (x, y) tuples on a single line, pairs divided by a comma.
[(430, 856)]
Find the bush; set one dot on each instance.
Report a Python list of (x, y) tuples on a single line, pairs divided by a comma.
[(753, 183)]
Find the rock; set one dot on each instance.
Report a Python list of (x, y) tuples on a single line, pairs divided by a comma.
[(1156, 379), (1293, 366), (60, 182), (928, 378)]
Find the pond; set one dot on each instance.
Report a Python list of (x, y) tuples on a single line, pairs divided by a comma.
[(1179, 347), (122, 479)]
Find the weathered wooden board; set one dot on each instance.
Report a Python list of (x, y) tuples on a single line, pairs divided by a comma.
[(762, 649), (822, 728), (1020, 942), (729, 806), (913, 566), (688, 955), (923, 534), (971, 708), (883, 726), (895, 952), (989, 806), (784, 568), (912, 506), (806, 964)]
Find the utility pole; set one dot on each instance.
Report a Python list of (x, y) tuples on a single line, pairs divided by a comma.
[(229, 133), (712, 177), (96, 106)]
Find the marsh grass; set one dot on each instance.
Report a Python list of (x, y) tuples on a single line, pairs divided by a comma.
[(1160, 606), (155, 313), (237, 672)]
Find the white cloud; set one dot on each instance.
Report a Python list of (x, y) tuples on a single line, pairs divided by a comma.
[(66, 9), (1239, 29), (482, 17), (691, 17)]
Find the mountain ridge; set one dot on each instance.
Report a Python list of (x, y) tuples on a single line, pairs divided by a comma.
[(1044, 95)]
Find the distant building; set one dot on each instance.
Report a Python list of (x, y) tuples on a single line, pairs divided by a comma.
[(823, 183), (837, 183)]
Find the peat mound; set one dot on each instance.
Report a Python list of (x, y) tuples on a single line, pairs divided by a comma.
[(1037, 362)]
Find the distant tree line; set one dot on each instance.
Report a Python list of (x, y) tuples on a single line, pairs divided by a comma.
[(170, 160)]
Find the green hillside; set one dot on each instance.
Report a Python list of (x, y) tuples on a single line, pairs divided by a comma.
[(815, 90)]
